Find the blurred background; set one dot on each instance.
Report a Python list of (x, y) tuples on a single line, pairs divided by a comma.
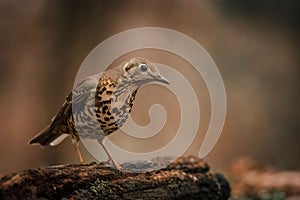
[(254, 44)]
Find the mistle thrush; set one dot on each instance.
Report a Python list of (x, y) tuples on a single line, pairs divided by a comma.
[(99, 105)]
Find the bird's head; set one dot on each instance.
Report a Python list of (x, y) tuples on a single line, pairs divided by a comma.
[(139, 71)]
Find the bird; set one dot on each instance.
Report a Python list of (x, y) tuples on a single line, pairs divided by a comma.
[(99, 105)]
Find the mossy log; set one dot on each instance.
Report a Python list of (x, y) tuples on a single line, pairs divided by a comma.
[(186, 178)]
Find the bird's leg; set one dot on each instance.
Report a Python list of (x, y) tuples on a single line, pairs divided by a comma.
[(110, 158), (75, 144)]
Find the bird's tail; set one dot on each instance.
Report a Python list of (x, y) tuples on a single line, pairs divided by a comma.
[(48, 137)]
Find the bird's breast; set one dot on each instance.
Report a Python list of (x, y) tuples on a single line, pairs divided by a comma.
[(103, 112), (112, 111)]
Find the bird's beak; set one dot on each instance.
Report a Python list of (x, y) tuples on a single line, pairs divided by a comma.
[(162, 79)]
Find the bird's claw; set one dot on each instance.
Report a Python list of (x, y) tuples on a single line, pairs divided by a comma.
[(111, 162)]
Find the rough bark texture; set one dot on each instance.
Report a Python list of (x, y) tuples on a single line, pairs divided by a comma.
[(186, 178)]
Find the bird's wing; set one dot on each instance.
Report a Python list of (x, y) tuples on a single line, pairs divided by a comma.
[(83, 90), (75, 101)]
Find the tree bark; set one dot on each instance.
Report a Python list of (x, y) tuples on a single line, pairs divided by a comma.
[(186, 178)]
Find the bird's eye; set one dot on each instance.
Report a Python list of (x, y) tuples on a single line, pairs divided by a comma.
[(143, 67)]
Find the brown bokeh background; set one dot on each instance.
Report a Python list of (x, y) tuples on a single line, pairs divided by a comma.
[(254, 44)]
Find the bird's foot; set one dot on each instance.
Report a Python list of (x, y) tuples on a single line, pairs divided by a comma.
[(112, 162)]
